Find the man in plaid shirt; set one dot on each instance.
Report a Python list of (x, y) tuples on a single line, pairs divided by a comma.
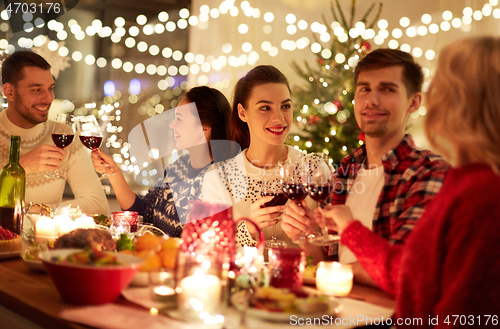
[(388, 181)]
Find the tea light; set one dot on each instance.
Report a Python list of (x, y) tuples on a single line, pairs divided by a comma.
[(45, 228), (163, 291), (334, 278), (161, 285), (199, 292), (57, 222), (85, 222), (67, 226)]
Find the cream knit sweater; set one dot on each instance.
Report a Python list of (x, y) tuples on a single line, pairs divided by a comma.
[(76, 167)]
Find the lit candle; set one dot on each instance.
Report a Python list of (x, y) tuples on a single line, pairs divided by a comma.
[(57, 222), (85, 222), (334, 278), (45, 227), (162, 285), (67, 226), (199, 292), (34, 218)]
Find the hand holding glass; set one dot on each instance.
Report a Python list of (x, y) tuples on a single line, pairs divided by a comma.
[(272, 186), (294, 187), (90, 135), (63, 133), (320, 176)]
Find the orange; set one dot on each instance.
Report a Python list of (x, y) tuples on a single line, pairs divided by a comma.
[(152, 261), (171, 243), (167, 257), (147, 241)]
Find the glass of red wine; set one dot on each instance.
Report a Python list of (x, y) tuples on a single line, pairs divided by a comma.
[(272, 185), (294, 186), (90, 135), (63, 133), (319, 179)]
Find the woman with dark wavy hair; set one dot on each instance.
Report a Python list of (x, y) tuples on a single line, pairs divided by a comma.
[(201, 117)]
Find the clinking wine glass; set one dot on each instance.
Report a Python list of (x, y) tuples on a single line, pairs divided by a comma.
[(90, 135), (272, 186), (63, 133), (320, 179), (294, 188)]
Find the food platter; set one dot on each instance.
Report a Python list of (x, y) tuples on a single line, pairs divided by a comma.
[(36, 265), (237, 300), (333, 310)]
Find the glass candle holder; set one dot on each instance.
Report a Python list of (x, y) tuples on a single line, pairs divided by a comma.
[(162, 287), (201, 287), (333, 278), (286, 267), (132, 217)]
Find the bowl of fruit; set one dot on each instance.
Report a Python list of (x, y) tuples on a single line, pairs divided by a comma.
[(90, 276), (157, 252)]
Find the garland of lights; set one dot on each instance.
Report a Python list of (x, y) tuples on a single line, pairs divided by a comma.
[(198, 61), (204, 64)]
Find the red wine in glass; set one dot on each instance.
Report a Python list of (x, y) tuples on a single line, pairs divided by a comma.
[(91, 142), (62, 140), (320, 193), (279, 199), (295, 192), (63, 133)]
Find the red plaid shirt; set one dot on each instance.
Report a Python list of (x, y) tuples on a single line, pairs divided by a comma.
[(412, 177)]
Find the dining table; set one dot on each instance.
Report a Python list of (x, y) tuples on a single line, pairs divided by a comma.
[(29, 299)]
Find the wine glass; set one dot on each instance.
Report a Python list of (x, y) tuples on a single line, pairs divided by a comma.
[(90, 135), (319, 176), (63, 133), (294, 187), (272, 186)]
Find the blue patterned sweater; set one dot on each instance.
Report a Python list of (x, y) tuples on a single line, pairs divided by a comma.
[(166, 206)]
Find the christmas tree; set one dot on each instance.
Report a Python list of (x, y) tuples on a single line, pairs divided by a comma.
[(324, 109)]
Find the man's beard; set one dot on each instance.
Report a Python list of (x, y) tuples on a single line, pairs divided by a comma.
[(24, 111), (375, 132)]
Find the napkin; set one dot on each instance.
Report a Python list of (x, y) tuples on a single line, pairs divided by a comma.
[(113, 316)]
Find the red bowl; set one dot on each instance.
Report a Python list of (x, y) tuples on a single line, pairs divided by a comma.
[(87, 284)]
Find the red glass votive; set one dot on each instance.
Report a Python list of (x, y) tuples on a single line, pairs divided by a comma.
[(286, 267), (130, 216)]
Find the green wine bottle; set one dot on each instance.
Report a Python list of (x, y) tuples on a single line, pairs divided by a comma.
[(12, 185)]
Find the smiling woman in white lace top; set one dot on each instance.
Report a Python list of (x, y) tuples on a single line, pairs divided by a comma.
[(261, 120)]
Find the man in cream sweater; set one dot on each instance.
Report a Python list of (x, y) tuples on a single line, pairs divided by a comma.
[(28, 86)]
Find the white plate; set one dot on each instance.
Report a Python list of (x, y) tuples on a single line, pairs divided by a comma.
[(10, 254), (35, 265), (333, 309)]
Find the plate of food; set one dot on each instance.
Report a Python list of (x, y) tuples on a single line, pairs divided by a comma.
[(36, 265), (280, 304), (10, 244), (31, 258)]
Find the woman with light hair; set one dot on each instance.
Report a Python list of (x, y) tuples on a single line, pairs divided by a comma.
[(450, 265)]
